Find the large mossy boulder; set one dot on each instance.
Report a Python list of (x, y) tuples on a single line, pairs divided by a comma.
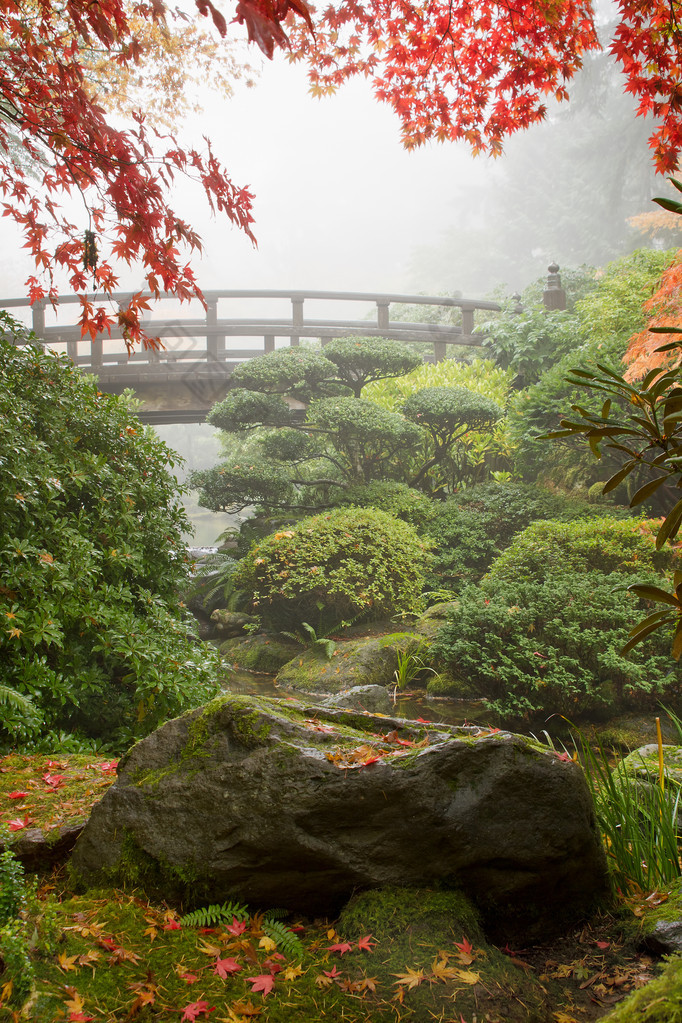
[(369, 661), (276, 803), (263, 652)]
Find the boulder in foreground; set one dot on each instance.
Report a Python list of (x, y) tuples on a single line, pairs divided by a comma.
[(278, 804)]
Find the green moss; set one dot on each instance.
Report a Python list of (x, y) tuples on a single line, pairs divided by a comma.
[(418, 926), (259, 653), (659, 1002), (136, 870), (151, 779), (444, 684), (443, 914), (251, 729)]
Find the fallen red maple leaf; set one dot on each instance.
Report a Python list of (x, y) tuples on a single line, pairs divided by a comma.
[(17, 795), (79, 1017), (53, 781), (17, 824), (341, 947), (264, 982), (189, 978), (424, 721), (108, 766), (334, 972), (367, 943), (236, 927), (172, 925), (464, 946), (195, 1009), (224, 967)]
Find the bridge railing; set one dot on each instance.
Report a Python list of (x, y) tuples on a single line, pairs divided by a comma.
[(209, 341)]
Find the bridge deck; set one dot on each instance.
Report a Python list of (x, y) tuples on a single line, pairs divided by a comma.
[(198, 354)]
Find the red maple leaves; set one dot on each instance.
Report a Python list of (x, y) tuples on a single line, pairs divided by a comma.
[(53, 122), (648, 45), (478, 70)]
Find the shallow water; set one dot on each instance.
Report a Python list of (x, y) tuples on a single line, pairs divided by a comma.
[(411, 705)]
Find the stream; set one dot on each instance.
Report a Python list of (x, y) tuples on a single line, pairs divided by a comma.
[(411, 705)]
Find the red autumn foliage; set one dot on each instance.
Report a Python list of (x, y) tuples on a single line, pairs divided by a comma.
[(464, 69), (664, 311)]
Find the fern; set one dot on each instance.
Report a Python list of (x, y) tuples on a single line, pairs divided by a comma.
[(216, 914), (16, 700), (277, 914), (287, 942)]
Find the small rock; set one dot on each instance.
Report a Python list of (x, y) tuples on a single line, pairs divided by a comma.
[(354, 662), (38, 849), (373, 699), (231, 623)]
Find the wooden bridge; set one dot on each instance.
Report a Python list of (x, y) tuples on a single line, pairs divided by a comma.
[(180, 382)]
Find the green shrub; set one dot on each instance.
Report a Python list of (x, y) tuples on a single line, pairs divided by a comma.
[(605, 319), (473, 527), (552, 645), (344, 564), (479, 451), (397, 499), (12, 886), (600, 545), (91, 557)]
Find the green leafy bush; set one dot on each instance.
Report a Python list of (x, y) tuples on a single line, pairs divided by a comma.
[(397, 499), (479, 451), (605, 319), (601, 545), (344, 564), (12, 886), (552, 645), (529, 342), (91, 557), (474, 526)]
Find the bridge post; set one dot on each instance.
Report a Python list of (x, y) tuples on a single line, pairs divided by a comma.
[(382, 314), (96, 354), (269, 343), (211, 321), (38, 316), (296, 319)]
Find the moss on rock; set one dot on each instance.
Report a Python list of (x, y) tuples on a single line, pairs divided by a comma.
[(264, 652), (358, 662), (659, 1002)]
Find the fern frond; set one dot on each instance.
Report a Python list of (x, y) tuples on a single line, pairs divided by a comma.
[(10, 697), (288, 943), (277, 914), (206, 916)]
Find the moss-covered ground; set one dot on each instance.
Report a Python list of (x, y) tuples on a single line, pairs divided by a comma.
[(111, 955), (395, 955), (46, 792)]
